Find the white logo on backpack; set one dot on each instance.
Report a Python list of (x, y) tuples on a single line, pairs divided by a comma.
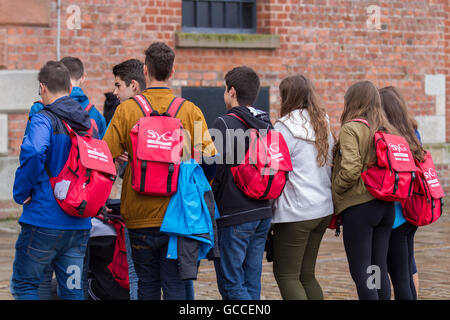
[(154, 140), (274, 150), (398, 149), (430, 176), (94, 152)]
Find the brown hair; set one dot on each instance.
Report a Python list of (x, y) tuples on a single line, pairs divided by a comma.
[(362, 101), (297, 92), (246, 83), (159, 59), (75, 67), (397, 113), (129, 70), (55, 76)]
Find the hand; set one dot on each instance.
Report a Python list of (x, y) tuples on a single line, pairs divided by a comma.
[(27, 200), (122, 158)]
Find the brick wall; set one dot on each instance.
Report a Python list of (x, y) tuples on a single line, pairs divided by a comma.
[(326, 40)]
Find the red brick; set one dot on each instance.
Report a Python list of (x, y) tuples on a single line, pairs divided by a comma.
[(327, 41)]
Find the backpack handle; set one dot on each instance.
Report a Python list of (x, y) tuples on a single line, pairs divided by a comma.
[(360, 120), (88, 132), (146, 107)]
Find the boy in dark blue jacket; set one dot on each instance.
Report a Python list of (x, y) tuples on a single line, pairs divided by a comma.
[(244, 222), (49, 238), (77, 78)]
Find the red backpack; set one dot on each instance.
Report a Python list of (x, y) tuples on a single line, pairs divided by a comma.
[(119, 263), (264, 171), (425, 205), (85, 182), (157, 142), (392, 177)]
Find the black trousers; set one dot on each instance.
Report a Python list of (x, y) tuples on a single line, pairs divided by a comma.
[(400, 261), (366, 230)]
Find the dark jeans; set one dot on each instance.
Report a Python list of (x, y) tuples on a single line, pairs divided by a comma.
[(241, 253), (366, 229), (154, 271), (400, 261)]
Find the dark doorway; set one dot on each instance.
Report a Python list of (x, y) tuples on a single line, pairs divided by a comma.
[(210, 100)]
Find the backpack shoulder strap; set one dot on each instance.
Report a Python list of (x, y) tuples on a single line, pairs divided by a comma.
[(93, 131), (67, 126), (70, 130), (360, 120), (89, 107), (144, 104), (175, 106), (239, 118)]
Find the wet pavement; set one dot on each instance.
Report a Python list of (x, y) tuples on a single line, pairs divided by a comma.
[(432, 253)]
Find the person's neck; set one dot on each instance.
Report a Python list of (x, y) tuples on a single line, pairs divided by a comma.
[(236, 104), (75, 83), (53, 97), (157, 84)]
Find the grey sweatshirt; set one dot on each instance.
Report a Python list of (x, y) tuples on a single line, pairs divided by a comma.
[(307, 194)]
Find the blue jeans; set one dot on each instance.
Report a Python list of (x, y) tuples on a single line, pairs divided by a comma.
[(189, 286), (39, 250), (131, 272), (154, 271), (239, 268)]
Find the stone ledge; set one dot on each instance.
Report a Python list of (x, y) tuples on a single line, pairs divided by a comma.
[(8, 167), (25, 12), (227, 41), (440, 152), (22, 87), (3, 134)]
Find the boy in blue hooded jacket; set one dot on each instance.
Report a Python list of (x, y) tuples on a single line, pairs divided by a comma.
[(77, 78), (49, 238)]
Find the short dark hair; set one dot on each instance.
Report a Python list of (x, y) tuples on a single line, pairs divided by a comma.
[(55, 76), (75, 67), (128, 70), (159, 58), (246, 83)]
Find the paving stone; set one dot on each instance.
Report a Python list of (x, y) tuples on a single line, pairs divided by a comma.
[(432, 253)]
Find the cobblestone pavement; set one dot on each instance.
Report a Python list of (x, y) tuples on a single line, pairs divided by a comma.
[(432, 250)]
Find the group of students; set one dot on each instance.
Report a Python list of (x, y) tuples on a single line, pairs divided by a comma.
[(326, 179)]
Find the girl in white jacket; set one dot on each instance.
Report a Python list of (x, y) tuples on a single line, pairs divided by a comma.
[(303, 211)]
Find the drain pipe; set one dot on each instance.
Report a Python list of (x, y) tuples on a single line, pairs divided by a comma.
[(58, 33)]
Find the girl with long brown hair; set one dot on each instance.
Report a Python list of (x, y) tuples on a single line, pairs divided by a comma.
[(400, 259), (303, 211), (367, 222)]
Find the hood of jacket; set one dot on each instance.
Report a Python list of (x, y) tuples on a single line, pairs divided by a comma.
[(299, 124), (69, 110), (254, 118), (78, 95)]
